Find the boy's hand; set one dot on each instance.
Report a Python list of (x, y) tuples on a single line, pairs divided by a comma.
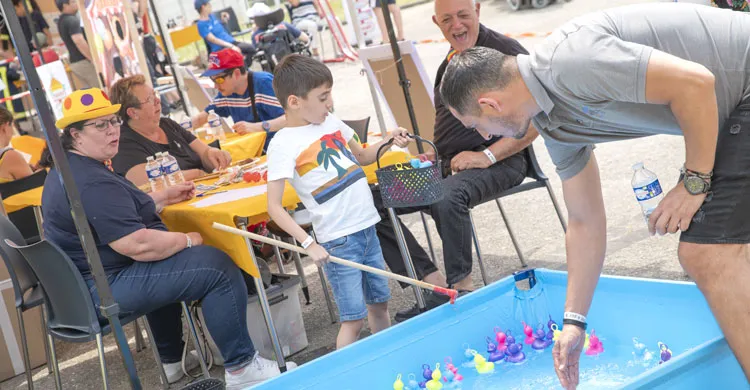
[(318, 254), (400, 137)]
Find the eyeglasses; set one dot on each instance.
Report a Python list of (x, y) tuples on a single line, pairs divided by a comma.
[(102, 126), (151, 99), (220, 78)]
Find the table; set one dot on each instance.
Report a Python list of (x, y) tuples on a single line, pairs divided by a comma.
[(240, 147), (622, 308)]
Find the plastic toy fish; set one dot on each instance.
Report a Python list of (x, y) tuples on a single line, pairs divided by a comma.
[(666, 353), (595, 345), (528, 332), (398, 384)]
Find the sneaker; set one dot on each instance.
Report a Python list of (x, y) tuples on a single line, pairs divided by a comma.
[(174, 370), (259, 370)]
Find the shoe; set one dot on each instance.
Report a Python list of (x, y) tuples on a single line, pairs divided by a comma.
[(259, 370), (174, 370)]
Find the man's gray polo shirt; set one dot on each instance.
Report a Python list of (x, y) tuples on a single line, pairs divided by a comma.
[(589, 76)]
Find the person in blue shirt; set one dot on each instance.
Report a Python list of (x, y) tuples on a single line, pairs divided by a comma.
[(247, 97), (212, 30)]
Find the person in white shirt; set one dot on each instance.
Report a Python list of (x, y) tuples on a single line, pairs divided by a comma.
[(321, 157)]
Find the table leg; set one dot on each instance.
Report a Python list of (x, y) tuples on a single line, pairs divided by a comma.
[(39, 221), (265, 307), (406, 256)]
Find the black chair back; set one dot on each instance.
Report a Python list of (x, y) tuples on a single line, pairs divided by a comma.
[(270, 19), (71, 313), (24, 219), (27, 183), (534, 171), (21, 275), (233, 25), (360, 126)]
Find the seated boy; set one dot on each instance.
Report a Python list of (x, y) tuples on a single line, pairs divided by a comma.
[(322, 159)]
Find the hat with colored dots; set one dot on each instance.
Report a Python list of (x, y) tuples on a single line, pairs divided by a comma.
[(85, 104)]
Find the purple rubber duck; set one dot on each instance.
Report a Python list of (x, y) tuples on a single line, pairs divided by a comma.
[(540, 339), (514, 353), (426, 372), (495, 355), (550, 333)]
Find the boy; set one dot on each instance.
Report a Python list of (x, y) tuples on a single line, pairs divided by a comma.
[(312, 153)]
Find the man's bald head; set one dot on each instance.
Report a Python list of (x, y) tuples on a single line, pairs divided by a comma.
[(458, 20)]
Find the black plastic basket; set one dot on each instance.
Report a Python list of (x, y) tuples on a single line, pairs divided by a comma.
[(408, 186), (206, 384)]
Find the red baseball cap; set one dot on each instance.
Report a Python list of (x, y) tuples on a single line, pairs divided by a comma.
[(224, 59)]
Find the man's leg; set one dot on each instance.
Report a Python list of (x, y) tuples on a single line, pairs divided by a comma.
[(722, 271), (248, 50), (465, 190)]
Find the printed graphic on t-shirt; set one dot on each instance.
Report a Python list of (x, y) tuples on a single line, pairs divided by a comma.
[(329, 155)]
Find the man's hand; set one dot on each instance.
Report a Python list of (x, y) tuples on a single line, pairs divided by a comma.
[(180, 192), (400, 137), (247, 127), (219, 159), (235, 48), (675, 211), (470, 160), (195, 238), (566, 353), (318, 254)]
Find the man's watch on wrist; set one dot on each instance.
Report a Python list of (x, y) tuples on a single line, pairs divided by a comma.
[(189, 241), (266, 126), (695, 183)]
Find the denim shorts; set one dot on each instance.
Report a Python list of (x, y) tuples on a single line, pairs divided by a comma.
[(351, 287)]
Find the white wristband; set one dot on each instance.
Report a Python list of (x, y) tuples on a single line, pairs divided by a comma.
[(490, 155), (189, 242), (309, 241), (574, 316)]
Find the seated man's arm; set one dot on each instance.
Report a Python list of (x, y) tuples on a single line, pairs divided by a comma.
[(501, 149), (212, 38), (199, 119)]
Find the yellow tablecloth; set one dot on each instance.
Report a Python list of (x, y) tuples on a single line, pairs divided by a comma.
[(24, 199), (29, 145), (241, 147)]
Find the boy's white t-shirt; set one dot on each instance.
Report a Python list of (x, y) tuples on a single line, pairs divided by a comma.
[(327, 177)]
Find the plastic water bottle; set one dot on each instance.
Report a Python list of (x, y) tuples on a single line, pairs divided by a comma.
[(214, 124), (174, 174), (159, 158), (155, 175), (647, 189)]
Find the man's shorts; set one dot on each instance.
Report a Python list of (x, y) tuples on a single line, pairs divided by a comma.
[(724, 217), (352, 288)]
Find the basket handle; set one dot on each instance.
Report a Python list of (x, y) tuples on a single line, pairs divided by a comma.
[(416, 137)]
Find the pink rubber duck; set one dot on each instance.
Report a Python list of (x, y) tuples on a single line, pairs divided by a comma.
[(595, 345), (500, 337), (529, 332)]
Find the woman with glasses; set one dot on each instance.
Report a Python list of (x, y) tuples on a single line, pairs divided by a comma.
[(145, 132), (150, 269)]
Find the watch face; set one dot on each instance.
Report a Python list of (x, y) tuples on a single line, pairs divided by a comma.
[(695, 185)]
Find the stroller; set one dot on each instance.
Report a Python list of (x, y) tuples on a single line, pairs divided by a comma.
[(276, 42)]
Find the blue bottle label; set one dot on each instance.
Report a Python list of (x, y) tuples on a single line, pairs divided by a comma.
[(648, 191), (154, 173)]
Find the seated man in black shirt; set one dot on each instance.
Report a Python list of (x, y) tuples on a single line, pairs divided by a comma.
[(481, 168)]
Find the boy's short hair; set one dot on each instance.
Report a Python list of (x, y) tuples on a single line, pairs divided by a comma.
[(298, 75), (60, 4)]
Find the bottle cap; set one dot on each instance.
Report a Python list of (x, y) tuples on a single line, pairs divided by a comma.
[(150, 158), (637, 166)]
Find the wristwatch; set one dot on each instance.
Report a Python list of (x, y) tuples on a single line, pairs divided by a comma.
[(266, 126), (696, 183)]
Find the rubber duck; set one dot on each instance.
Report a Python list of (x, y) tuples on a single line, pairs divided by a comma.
[(500, 338), (508, 338), (540, 339), (640, 351), (469, 354), (555, 332), (495, 355), (434, 383), (412, 383), (595, 345), (514, 353), (482, 365), (586, 342), (666, 353), (426, 371), (528, 332), (398, 384), (551, 332)]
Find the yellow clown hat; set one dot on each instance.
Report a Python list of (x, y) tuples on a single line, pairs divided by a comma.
[(85, 104)]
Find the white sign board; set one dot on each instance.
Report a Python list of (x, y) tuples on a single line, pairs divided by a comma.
[(56, 85)]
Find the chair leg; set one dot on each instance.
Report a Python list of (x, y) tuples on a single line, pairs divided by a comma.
[(196, 340), (429, 238), (510, 232), (556, 205), (25, 347), (301, 273), (479, 251), (102, 362), (277, 252), (43, 318), (327, 295), (152, 341), (53, 354), (139, 342)]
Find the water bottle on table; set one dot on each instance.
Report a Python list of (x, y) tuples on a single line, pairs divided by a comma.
[(172, 169), (155, 175), (214, 124), (647, 189)]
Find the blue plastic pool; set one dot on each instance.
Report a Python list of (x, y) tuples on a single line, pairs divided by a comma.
[(651, 310)]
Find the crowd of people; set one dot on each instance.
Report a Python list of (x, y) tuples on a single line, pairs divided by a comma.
[(493, 98)]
